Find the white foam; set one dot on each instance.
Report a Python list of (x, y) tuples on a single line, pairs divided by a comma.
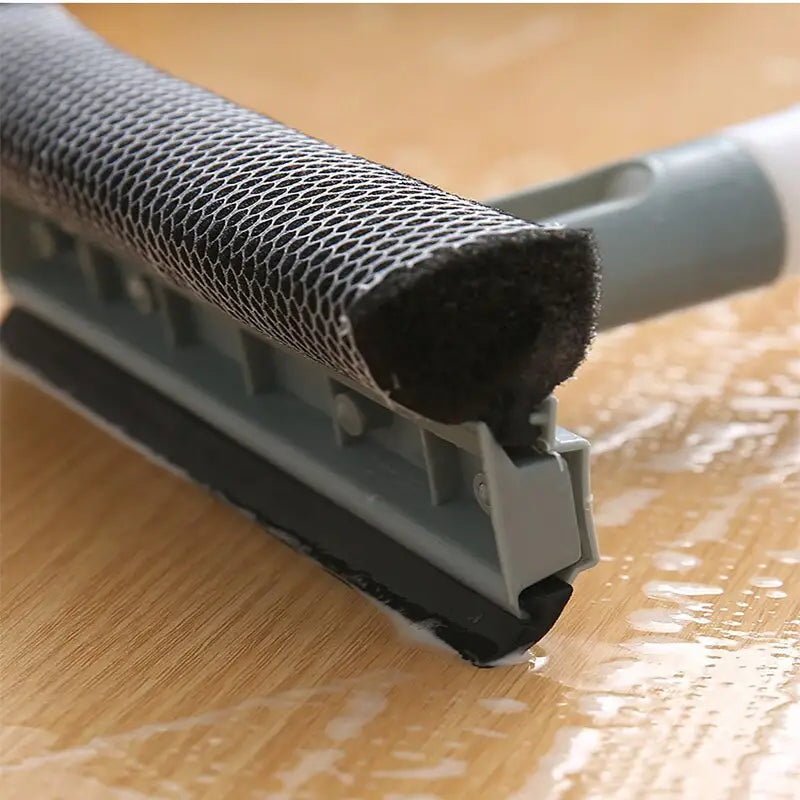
[(602, 707), (419, 633), (424, 634), (446, 768), (289, 699), (488, 733), (311, 764), (503, 705), (360, 709), (535, 657), (570, 752)]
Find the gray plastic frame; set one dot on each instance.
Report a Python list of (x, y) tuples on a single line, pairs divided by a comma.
[(452, 494)]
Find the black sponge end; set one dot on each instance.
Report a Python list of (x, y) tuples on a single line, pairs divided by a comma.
[(455, 337)]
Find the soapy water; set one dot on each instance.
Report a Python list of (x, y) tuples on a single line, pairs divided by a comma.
[(696, 695), (728, 701), (311, 764), (622, 509), (503, 705), (785, 556), (644, 710), (655, 707), (764, 582), (559, 769), (710, 440), (776, 594), (446, 768), (362, 706), (677, 590), (655, 620), (364, 698), (672, 561)]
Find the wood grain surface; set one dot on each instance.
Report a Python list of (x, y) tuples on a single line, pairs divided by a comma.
[(155, 644)]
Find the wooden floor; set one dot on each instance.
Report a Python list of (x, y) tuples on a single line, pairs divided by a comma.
[(158, 645)]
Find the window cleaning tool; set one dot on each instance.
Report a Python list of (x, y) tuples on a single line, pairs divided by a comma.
[(361, 361)]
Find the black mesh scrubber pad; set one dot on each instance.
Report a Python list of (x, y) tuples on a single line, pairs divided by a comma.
[(438, 302), (515, 310)]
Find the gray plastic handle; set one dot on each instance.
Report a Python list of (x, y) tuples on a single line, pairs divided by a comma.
[(674, 227)]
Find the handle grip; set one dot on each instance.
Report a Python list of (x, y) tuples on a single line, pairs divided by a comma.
[(774, 142), (438, 302), (686, 224)]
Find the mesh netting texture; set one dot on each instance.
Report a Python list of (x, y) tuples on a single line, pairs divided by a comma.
[(436, 301)]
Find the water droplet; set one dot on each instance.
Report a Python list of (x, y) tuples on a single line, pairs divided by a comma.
[(671, 589), (764, 582), (785, 556)]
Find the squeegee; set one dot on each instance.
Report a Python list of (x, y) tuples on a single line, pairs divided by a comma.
[(360, 361)]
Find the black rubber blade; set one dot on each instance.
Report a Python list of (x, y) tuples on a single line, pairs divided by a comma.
[(341, 542)]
